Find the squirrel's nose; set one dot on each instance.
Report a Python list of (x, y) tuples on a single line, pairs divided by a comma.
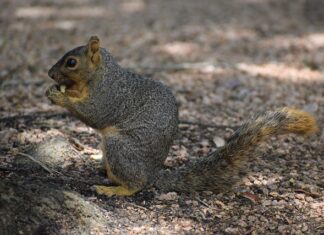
[(53, 72)]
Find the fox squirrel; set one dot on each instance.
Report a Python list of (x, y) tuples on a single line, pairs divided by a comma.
[(138, 120)]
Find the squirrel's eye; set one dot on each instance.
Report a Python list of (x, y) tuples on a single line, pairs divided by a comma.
[(71, 63)]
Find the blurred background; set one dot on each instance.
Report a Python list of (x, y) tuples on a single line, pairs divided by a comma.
[(224, 60)]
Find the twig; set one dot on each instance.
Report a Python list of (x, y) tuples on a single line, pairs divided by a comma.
[(77, 144), (39, 163), (202, 202), (138, 206), (319, 227), (208, 125), (315, 195), (250, 231)]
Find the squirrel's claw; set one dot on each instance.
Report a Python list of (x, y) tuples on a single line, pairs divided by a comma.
[(115, 190), (50, 90), (55, 96)]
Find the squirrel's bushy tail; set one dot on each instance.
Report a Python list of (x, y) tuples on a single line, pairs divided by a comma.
[(220, 170)]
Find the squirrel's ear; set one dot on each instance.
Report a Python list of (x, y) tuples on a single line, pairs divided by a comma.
[(93, 49)]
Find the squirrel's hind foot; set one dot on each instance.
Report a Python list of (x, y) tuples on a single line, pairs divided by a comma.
[(115, 190)]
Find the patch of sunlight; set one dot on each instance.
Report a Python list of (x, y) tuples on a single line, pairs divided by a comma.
[(232, 34), (317, 39), (59, 24), (133, 6), (282, 72), (65, 24), (178, 48), (316, 209), (36, 12), (311, 41)]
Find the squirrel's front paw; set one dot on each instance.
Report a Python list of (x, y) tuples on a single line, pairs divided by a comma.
[(54, 95)]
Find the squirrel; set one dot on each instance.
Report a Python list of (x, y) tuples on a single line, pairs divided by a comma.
[(137, 118)]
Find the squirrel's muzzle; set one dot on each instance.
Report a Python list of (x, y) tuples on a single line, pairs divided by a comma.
[(53, 74)]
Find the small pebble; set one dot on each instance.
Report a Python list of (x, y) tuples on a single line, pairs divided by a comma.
[(231, 230), (242, 223), (219, 142), (274, 202), (265, 191), (171, 196), (300, 196), (282, 228), (266, 203), (313, 107)]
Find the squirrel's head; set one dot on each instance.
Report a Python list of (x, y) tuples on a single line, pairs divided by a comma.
[(73, 71)]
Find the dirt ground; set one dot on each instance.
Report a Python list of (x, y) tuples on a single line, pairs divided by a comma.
[(224, 60)]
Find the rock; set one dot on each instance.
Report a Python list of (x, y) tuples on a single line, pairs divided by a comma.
[(7, 135), (313, 107), (219, 142), (282, 228), (265, 191), (233, 84), (52, 152), (217, 99), (272, 186), (300, 196), (171, 196), (305, 228), (231, 230), (242, 223), (47, 209), (266, 203), (242, 94), (274, 202), (3, 73), (252, 218)]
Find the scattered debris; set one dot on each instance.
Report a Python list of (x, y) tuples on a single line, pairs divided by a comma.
[(223, 64)]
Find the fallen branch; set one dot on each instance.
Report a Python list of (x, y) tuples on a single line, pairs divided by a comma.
[(39, 163), (202, 202), (138, 206)]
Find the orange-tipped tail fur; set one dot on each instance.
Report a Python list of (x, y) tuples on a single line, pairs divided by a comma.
[(222, 169), (304, 124)]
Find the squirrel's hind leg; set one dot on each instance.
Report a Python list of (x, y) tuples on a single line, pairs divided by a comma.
[(115, 190), (110, 191)]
